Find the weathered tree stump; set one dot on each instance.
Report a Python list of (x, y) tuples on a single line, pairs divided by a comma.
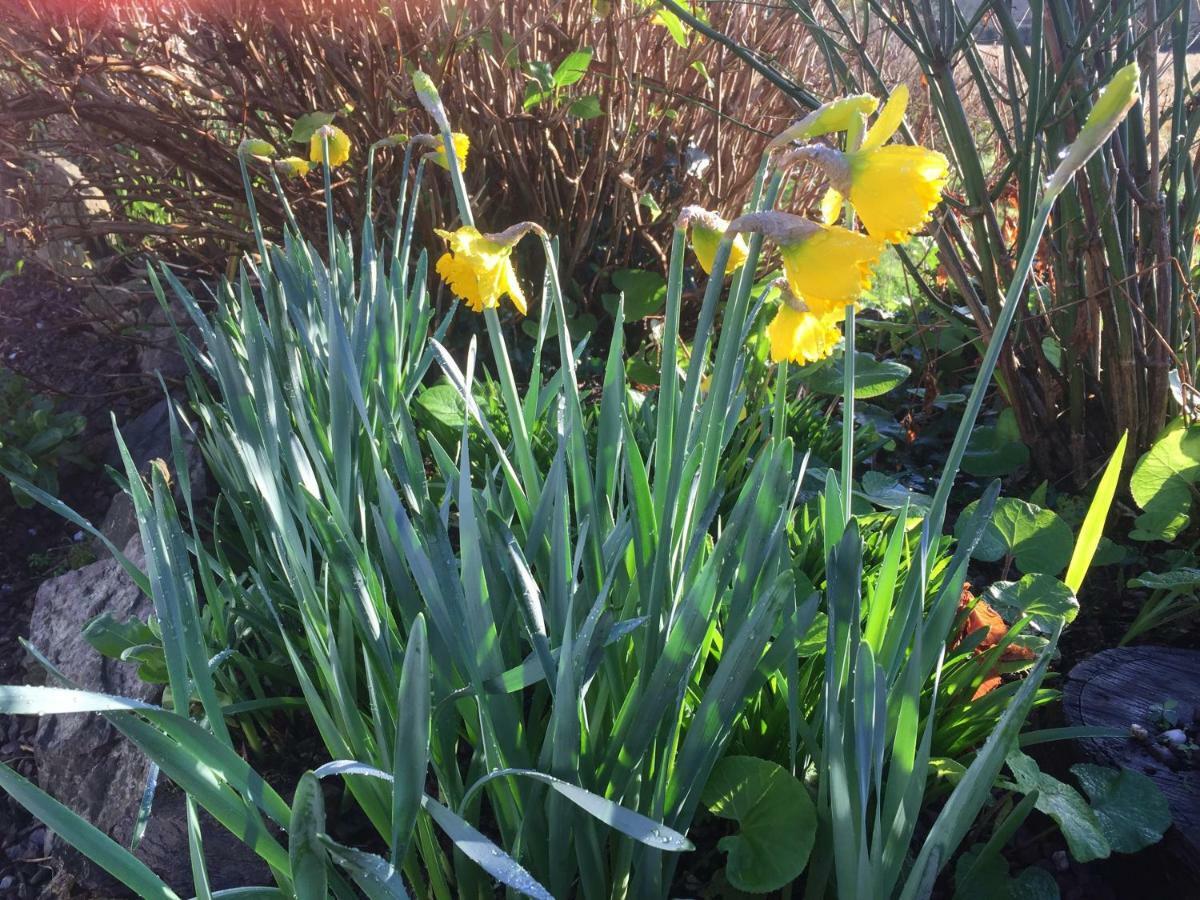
[(1118, 688)]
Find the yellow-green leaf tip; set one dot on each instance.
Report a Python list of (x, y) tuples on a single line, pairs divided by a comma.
[(1115, 101)]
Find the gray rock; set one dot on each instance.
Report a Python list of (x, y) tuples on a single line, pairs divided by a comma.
[(160, 353), (148, 437), (90, 767)]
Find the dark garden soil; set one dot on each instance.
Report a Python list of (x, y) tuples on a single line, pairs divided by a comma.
[(47, 337)]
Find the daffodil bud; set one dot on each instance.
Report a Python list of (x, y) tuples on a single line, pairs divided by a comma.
[(255, 147), (427, 93), (837, 115), (292, 167), (1115, 101)]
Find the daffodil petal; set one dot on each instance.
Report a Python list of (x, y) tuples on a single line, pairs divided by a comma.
[(479, 270), (888, 122), (831, 268), (801, 337), (831, 206)]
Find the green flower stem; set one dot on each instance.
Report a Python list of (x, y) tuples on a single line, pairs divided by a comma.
[(848, 412), (779, 420), (325, 168), (402, 237), (287, 207), (252, 208), (508, 384), (386, 142), (983, 379), (854, 136)]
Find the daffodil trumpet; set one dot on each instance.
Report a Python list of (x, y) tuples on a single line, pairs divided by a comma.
[(330, 145), (837, 115), (826, 265), (797, 333), (478, 267)]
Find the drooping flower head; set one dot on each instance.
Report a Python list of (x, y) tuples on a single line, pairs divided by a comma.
[(707, 229), (893, 188), (339, 145), (478, 267), (826, 266), (256, 147), (799, 335), (292, 167)]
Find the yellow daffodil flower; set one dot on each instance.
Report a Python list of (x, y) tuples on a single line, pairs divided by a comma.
[(478, 267), (801, 336), (339, 146), (462, 146), (893, 188), (707, 229), (293, 167), (829, 266)]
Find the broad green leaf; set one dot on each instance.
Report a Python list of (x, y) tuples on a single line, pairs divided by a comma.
[(1037, 539), (1079, 823), (1043, 597), (776, 817), (111, 638), (443, 403), (991, 880), (307, 124), (573, 68), (305, 850), (995, 450), (586, 107), (872, 377), (887, 491), (1183, 580), (1161, 483), (674, 25), (645, 293), (1133, 812)]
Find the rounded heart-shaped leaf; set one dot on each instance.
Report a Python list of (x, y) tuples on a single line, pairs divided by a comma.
[(777, 820)]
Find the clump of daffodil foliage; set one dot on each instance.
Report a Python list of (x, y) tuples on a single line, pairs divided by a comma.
[(537, 667)]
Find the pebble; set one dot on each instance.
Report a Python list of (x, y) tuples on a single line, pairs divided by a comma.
[(1059, 858), (6, 882), (1175, 736)]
